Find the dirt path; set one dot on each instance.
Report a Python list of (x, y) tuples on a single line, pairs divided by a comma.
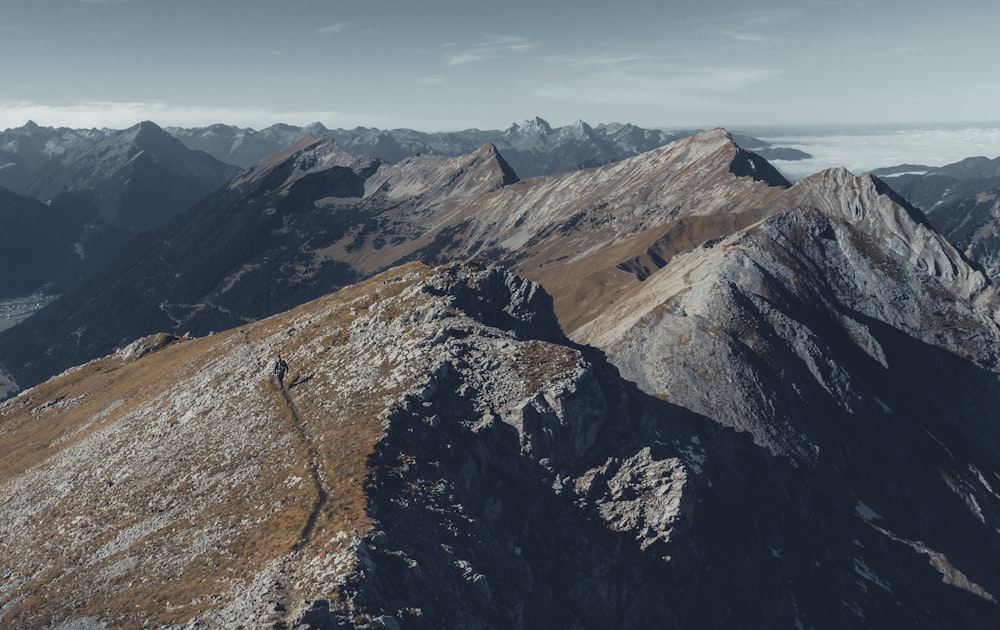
[(314, 471)]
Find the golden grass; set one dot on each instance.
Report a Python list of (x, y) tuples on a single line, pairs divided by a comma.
[(332, 453), (539, 363), (30, 437), (582, 289)]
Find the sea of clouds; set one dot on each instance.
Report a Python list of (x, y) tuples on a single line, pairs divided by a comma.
[(864, 148)]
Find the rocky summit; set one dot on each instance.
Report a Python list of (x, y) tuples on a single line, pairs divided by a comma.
[(675, 391)]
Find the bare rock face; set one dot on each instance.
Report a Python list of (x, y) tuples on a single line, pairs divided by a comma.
[(973, 225), (846, 262), (845, 334)]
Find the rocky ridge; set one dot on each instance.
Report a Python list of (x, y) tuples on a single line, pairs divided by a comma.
[(959, 200), (442, 457)]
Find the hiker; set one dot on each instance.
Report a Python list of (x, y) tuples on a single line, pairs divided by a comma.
[(280, 368)]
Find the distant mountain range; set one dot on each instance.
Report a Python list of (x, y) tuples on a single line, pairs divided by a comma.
[(111, 184), (670, 391), (81, 194), (532, 148)]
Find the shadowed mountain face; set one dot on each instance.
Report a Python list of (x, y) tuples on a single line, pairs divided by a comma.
[(442, 457), (37, 244), (138, 178), (973, 225), (99, 188), (929, 187)]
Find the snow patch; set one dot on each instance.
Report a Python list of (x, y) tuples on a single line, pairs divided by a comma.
[(866, 512), (865, 572)]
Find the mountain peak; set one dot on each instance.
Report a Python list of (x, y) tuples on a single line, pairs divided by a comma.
[(147, 131), (536, 125), (308, 155), (481, 171), (868, 203), (489, 153)]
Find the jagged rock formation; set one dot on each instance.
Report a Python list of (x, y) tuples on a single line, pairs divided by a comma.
[(441, 458)]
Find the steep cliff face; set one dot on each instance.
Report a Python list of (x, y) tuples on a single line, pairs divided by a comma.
[(960, 200), (973, 225)]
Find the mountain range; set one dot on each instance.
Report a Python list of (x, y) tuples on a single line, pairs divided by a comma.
[(71, 198), (669, 391), (112, 184), (533, 148)]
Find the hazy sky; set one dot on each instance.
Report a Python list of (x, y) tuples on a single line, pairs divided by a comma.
[(454, 64)]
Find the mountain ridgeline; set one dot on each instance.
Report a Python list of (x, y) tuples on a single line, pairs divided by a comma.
[(670, 391), (960, 200), (533, 148)]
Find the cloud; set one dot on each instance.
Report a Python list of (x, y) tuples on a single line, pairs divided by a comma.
[(746, 37), (602, 60), (492, 47), (121, 115), (663, 85), (339, 27), (434, 80)]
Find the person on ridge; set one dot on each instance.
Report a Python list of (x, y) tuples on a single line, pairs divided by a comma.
[(280, 369)]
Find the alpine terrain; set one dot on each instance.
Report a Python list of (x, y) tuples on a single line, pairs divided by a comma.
[(960, 200), (69, 199), (672, 391)]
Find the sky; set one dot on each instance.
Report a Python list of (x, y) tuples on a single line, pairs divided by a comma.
[(441, 65)]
